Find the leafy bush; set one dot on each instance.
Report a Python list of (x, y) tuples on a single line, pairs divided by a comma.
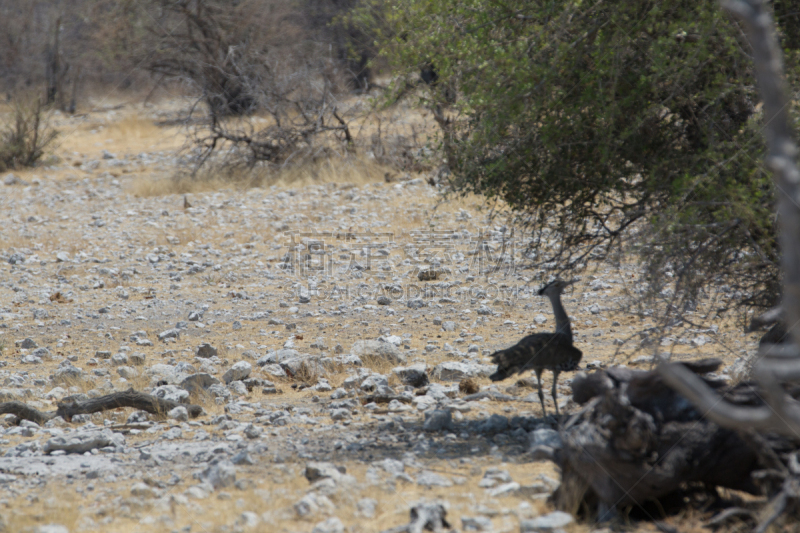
[(25, 136), (608, 127)]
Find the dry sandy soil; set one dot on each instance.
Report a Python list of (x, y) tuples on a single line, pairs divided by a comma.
[(99, 256)]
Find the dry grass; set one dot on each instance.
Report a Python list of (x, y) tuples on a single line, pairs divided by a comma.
[(271, 496), (83, 384), (130, 132), (381, 365), (23, 515), (357, 170), (149, 186), (183, 236), (141, 382), (352, 169), (132, 129), (203, 398), (115, 282)]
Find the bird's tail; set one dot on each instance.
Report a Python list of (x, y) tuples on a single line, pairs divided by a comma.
[(509, 362)]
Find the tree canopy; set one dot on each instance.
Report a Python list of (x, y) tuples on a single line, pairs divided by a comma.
[(607, 127)]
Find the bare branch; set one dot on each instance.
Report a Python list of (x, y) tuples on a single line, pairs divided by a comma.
[(69, 408), (768, 60), (781, 413), (765, 319)]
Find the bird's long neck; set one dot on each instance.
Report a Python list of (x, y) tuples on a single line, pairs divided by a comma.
[(562, 320)]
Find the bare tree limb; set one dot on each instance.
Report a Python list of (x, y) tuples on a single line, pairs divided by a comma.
[(69, 408), (24, 412), (768, 60), (727, 414), (781, 413)]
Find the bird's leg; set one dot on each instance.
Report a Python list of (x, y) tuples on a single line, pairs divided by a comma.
[(541, 394), (555, 382)]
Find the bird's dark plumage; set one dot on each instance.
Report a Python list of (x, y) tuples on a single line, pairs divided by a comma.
[(542, 351)]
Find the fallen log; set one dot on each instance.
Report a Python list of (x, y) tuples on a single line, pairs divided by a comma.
[(384, 398), (128, 398), (70, 407), (636, 440), (25, 412)]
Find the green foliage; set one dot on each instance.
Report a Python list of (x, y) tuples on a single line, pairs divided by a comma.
[(607, 127)]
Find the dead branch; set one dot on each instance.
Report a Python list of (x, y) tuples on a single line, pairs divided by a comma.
[(69, 408), (128, 398), (24, 412), (765, 319), (782, 413), (345, 129), (384, 398), (724, 413)]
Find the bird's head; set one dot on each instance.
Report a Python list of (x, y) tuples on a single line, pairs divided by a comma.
[(555, 287)]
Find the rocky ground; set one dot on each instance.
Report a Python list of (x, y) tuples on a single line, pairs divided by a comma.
[(323, 328)]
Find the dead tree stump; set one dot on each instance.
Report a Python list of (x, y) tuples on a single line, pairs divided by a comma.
[(636, 440)]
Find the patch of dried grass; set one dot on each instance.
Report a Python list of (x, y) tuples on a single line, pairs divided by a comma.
[(183, 236), (141, 382), (113, 283), (381, 365), (351, 169), (203, 398), (133, 128), (308, 374), (82, 383), (150, 186), (24, 515)]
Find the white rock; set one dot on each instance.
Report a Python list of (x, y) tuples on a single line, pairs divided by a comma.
[(220, 475), (548, 522), (179, 413), (379, 350), (366, 507), (455, 371), (172, 393), (432, 479), (84, 441), (503, 490), (142, 490), (331, 525), (51, 528), (237, 372), (313, 504)]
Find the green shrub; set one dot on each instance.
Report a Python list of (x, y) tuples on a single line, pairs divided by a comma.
[(628, 127)]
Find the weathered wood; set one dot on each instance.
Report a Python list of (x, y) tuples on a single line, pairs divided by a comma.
[(128, 398), (68, 409), (24, 412), (776, 412), (638, 440), (384, 398)]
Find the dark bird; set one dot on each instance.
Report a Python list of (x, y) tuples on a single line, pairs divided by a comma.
[(542, 351)]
